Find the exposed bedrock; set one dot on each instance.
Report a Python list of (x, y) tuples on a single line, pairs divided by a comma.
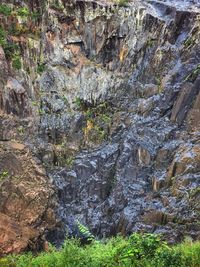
[(108, 100)]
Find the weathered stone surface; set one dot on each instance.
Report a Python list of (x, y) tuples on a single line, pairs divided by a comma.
[(187, 160), (184, 100), (193, 118), (26, 205), (108, 99), (14, 236)]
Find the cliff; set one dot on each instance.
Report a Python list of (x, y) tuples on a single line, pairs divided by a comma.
[(99, 119)]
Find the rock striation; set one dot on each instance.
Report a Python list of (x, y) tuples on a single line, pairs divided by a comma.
[(107, 98)]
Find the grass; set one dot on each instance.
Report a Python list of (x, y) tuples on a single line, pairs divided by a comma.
[(137, 251)]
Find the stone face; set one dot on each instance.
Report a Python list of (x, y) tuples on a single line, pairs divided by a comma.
[(26, 200), (193, 117), (108, 100), (185, 98), (187, 160), (14, 236)]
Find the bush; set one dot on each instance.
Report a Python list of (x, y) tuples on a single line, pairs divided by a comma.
[(122, 2), (16, 62), (23, 12), (3, 40), (168, 257), (136, 251), (41, 68), (10, 49), (5, 10)]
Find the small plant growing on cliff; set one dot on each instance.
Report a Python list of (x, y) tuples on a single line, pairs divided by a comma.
[(9, 48), (5, 10), (78, 102), (3, 175), (70, 161), (3, 40), (20, 130), (35, 15), (85, 233), (41, 68), (194, 74), (122, 2), (57, 7), (16, 62), (23, 12)]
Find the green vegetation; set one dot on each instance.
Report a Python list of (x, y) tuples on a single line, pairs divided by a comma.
[(23, 12), (98, 122), (150, 42), (87, 236), (78, 103), (11, 50), (194, 192), (41, 68), (4, 174), (16, 61), (122, 2), (70, 161), (136, 251), (20, 130), (57, 6), (159, 84), (194, 74), (3, 35), (5, 10), (35, 15)]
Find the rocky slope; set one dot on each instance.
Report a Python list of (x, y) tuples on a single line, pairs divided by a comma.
[(107, 98)]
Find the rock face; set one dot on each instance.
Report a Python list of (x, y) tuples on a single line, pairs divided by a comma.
[(107, 98), (26, 208)]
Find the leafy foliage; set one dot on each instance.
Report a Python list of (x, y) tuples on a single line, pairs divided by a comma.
[(11, 50), (136, 251), (4, 174), (87, 236), (16, 61), (41, 68), (5, 10), (2, 37), (122, 2), (23, 12)]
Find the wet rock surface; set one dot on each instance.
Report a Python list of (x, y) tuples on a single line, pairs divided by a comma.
[(110, 106)]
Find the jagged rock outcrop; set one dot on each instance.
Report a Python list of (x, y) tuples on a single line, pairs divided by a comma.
[(107, 98), (27, 202)]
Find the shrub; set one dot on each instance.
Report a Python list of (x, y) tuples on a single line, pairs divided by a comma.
[(5, 10), (139, 248), (168, 257), (41, 68), (122, 2), (136, 251), (10, 49), (16, 61), (86, 235), (4, 174), (23, 12), (3, 40)]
